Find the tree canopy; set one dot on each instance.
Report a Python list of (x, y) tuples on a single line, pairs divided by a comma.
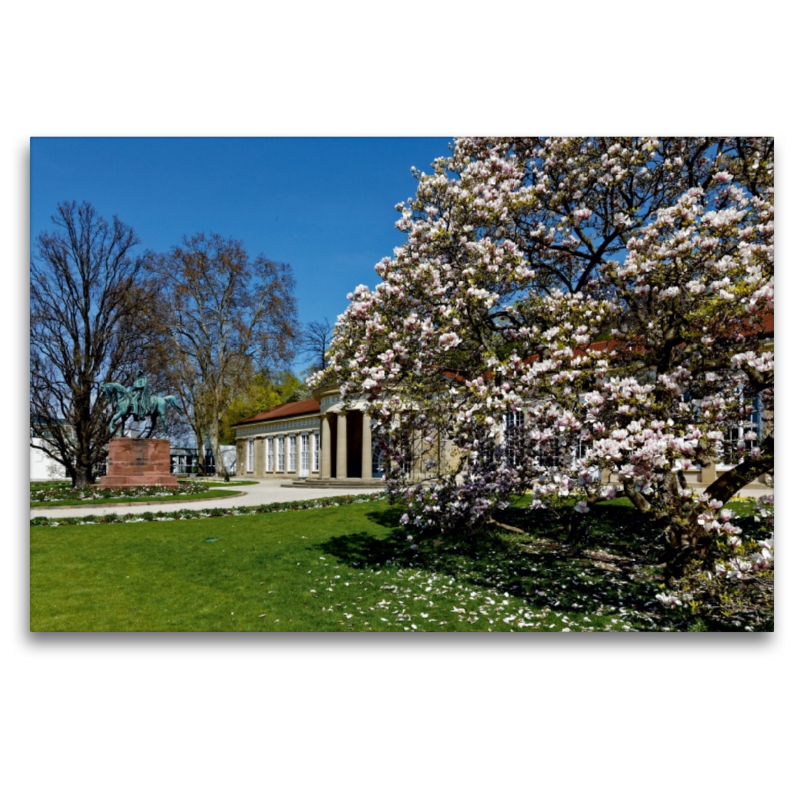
[(575, 317), (264, 392), (221, 317), (86, 303), (315, 342)]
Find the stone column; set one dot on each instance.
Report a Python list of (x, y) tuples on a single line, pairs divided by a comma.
[(260, 457), (366, 448), (241, 455), (325, 448), (708, 474), (341, 446)]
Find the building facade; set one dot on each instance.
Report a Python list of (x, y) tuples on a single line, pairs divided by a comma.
[(317, 440), (185, 461), (312, 440)]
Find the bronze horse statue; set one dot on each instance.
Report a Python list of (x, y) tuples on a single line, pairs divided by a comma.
[(155, 407)]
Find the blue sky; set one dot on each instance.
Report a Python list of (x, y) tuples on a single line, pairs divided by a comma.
[(323, 205)]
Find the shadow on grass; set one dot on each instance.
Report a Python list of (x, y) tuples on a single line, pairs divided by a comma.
[(613, 526), (611, 568)]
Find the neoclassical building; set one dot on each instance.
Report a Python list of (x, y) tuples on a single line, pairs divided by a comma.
[(317, 442), (311, 440)]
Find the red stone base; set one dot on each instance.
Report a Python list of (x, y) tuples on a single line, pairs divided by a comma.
[(138, 462)]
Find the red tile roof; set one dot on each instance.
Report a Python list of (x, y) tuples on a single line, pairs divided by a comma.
[(298, 409)]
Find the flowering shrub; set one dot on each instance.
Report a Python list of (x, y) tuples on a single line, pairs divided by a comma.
[(573, 317)]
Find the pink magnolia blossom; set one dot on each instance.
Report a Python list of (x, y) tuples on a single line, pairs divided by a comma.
[(488, 335)]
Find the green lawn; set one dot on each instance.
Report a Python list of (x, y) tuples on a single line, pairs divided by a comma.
[(44, 486), (343, 568), (223, 483)]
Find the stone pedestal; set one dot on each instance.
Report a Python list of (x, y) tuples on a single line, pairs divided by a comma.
[(138, 462)]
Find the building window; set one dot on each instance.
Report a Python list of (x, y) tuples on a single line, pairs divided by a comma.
[(292, 453), (553, 453), (251, 450), (304, 453), (739, 440), (270, 455), (281, 456), (182, 463), (514, 436), (583, 448), (316, 451), (406, 449), (377, 459), (742, 438)]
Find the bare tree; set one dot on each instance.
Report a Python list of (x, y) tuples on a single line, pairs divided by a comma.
[(222, 317), (84, 305), (316, 341)]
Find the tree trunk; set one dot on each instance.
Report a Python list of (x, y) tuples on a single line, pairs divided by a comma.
[(83, 473), (83, 461), (201, 451), (213, 434), (689, 541), (729, 483), (573, 532), (685, 542)]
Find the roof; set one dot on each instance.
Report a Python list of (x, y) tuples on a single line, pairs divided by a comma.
[(768, 322), (612, 346), (298, 409), (307, 407)]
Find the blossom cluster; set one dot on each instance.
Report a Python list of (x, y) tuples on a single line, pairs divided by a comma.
[(571, 317), (747, 562), (738, 586)]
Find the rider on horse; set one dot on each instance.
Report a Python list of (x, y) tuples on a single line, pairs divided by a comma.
[(140, 394), (138, 402)]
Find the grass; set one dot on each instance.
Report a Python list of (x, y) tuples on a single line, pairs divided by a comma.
[(345, 568), (48, 485), (223, 483)]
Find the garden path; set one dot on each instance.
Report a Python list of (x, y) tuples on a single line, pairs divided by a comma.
[(268, 490)]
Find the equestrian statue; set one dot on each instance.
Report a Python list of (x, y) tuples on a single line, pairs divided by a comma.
[(138, 403)]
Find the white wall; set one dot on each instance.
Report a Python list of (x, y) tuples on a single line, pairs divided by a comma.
[(229, 456), (43, 467)]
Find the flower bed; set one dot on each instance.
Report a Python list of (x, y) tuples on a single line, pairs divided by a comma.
[(60, 494), (188, 513)]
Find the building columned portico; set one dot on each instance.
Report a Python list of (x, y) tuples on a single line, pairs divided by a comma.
[(313, 440), (320, 442)]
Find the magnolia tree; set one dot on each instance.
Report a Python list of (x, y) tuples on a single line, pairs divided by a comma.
[(577, 317)]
